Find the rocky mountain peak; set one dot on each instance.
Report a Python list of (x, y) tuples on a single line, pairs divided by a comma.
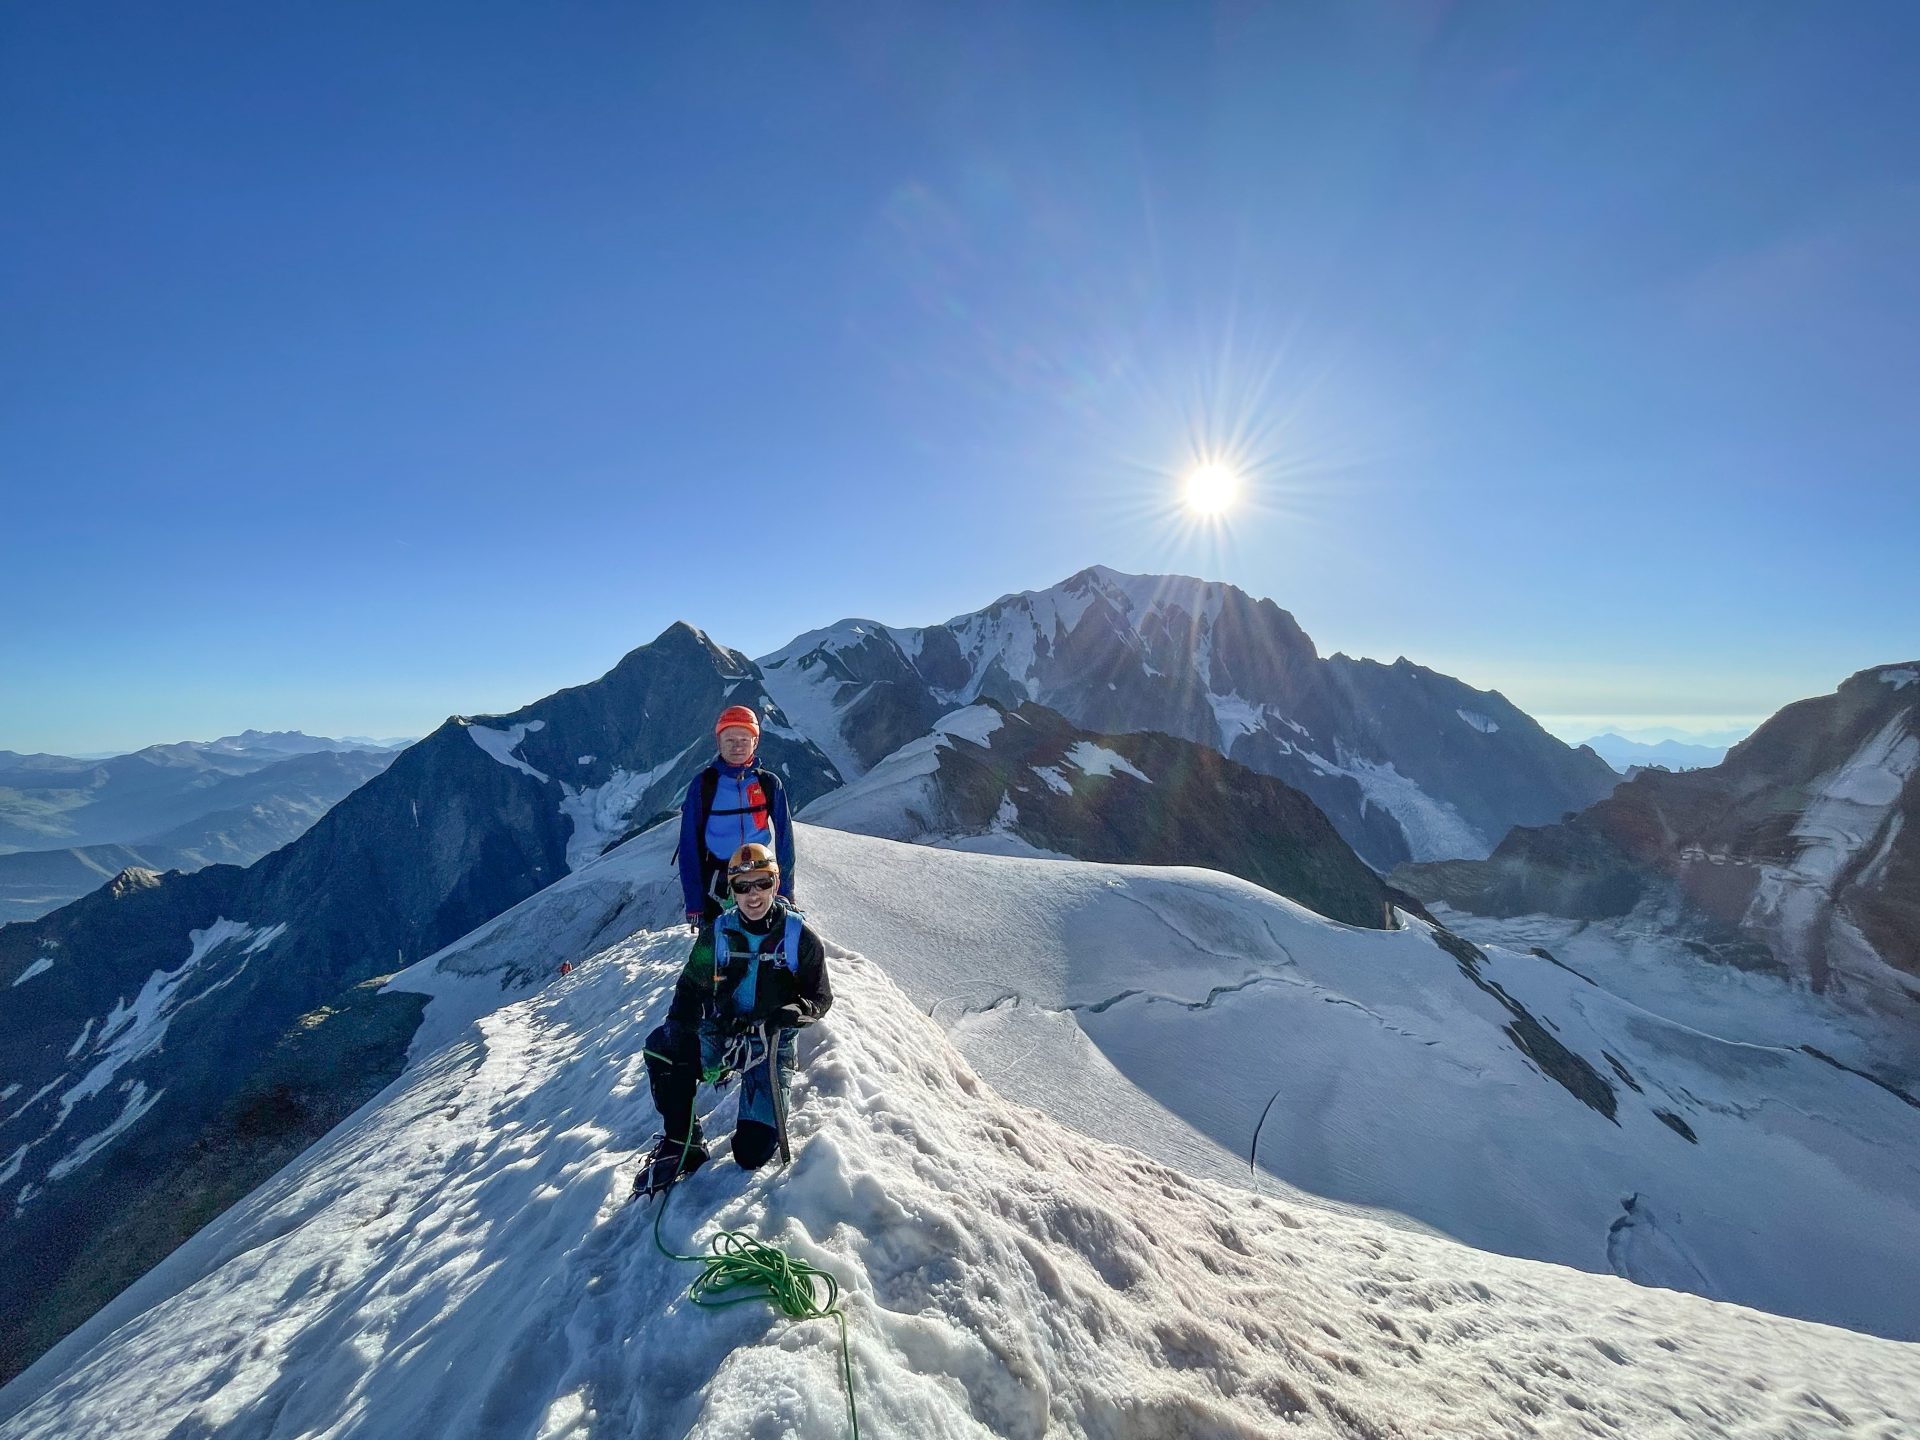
[(1800, 852), (132, 880), (1405, 761)]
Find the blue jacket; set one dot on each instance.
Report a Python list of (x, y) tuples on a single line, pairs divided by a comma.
[(744, 812)]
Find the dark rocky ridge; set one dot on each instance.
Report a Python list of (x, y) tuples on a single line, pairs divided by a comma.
[(1799, 853), (1195, 807)]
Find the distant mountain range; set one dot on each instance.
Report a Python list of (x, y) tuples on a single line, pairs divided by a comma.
[(167, 807), (58, 802), (258, 812), (1625, 755)]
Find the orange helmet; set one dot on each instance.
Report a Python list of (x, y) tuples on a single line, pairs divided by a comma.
[(751, 859), (741, 715)]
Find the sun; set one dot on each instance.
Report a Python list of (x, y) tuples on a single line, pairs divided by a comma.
[(1211, 489)]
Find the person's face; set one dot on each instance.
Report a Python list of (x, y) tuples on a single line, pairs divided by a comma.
[(736, 744), (754, 903)]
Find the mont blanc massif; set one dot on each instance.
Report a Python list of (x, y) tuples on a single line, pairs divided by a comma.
[(1230, 1041)]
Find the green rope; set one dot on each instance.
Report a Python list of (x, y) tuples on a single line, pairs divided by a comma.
[(742, 1268)]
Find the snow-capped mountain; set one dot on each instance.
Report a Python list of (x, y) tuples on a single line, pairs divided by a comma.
[(1799, 854), (168, 1041), (1025, 781), (257, 812), (1406, 762), (457, 1259)]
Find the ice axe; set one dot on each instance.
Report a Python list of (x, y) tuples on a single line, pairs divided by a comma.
[(771, 1046)]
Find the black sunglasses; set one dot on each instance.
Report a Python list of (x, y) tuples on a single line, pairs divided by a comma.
[(744, 887)]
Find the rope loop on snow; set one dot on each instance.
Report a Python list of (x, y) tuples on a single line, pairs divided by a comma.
[(742, 1268)]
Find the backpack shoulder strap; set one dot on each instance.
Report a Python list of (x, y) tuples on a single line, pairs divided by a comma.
[(709, 787), (725, 926), (790, 940)]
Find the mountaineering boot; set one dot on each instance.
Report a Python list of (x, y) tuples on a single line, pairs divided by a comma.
[(672, 1157)]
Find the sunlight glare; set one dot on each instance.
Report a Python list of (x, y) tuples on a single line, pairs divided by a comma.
[(1211, 488)]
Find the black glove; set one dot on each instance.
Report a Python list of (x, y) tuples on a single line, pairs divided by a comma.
[(788, 1017)]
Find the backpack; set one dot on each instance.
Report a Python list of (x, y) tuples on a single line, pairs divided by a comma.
[(710, 787), (789, 938)]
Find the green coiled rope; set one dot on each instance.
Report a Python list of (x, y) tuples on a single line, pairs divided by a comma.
[(742, 1268)]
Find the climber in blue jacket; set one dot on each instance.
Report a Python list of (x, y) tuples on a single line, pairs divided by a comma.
[(732, 802)]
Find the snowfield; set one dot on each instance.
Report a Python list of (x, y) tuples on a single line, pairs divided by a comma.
[(501, 744), (457, 1258), (897, 798)]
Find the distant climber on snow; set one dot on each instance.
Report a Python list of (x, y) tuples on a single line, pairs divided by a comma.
[(729, 804), (756, 975)]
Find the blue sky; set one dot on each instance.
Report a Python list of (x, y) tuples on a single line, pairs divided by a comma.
[(361, 365)]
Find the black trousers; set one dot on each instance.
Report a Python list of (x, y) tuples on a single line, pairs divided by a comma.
[(673, 1072)]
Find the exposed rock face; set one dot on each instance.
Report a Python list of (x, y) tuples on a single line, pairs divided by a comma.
[(1800, 852), (1406, 762), (162, 1035), (1026, 780)]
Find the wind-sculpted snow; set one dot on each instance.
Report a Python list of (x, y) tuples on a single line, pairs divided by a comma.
[(457, 1260)]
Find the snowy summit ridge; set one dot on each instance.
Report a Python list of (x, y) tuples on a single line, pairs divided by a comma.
[(457, 1259)]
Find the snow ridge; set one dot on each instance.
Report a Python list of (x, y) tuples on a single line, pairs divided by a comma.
[(457, 1259), (896, 797)]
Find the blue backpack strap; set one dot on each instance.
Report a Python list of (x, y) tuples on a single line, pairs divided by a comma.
[(790, 947), (726, 923)]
